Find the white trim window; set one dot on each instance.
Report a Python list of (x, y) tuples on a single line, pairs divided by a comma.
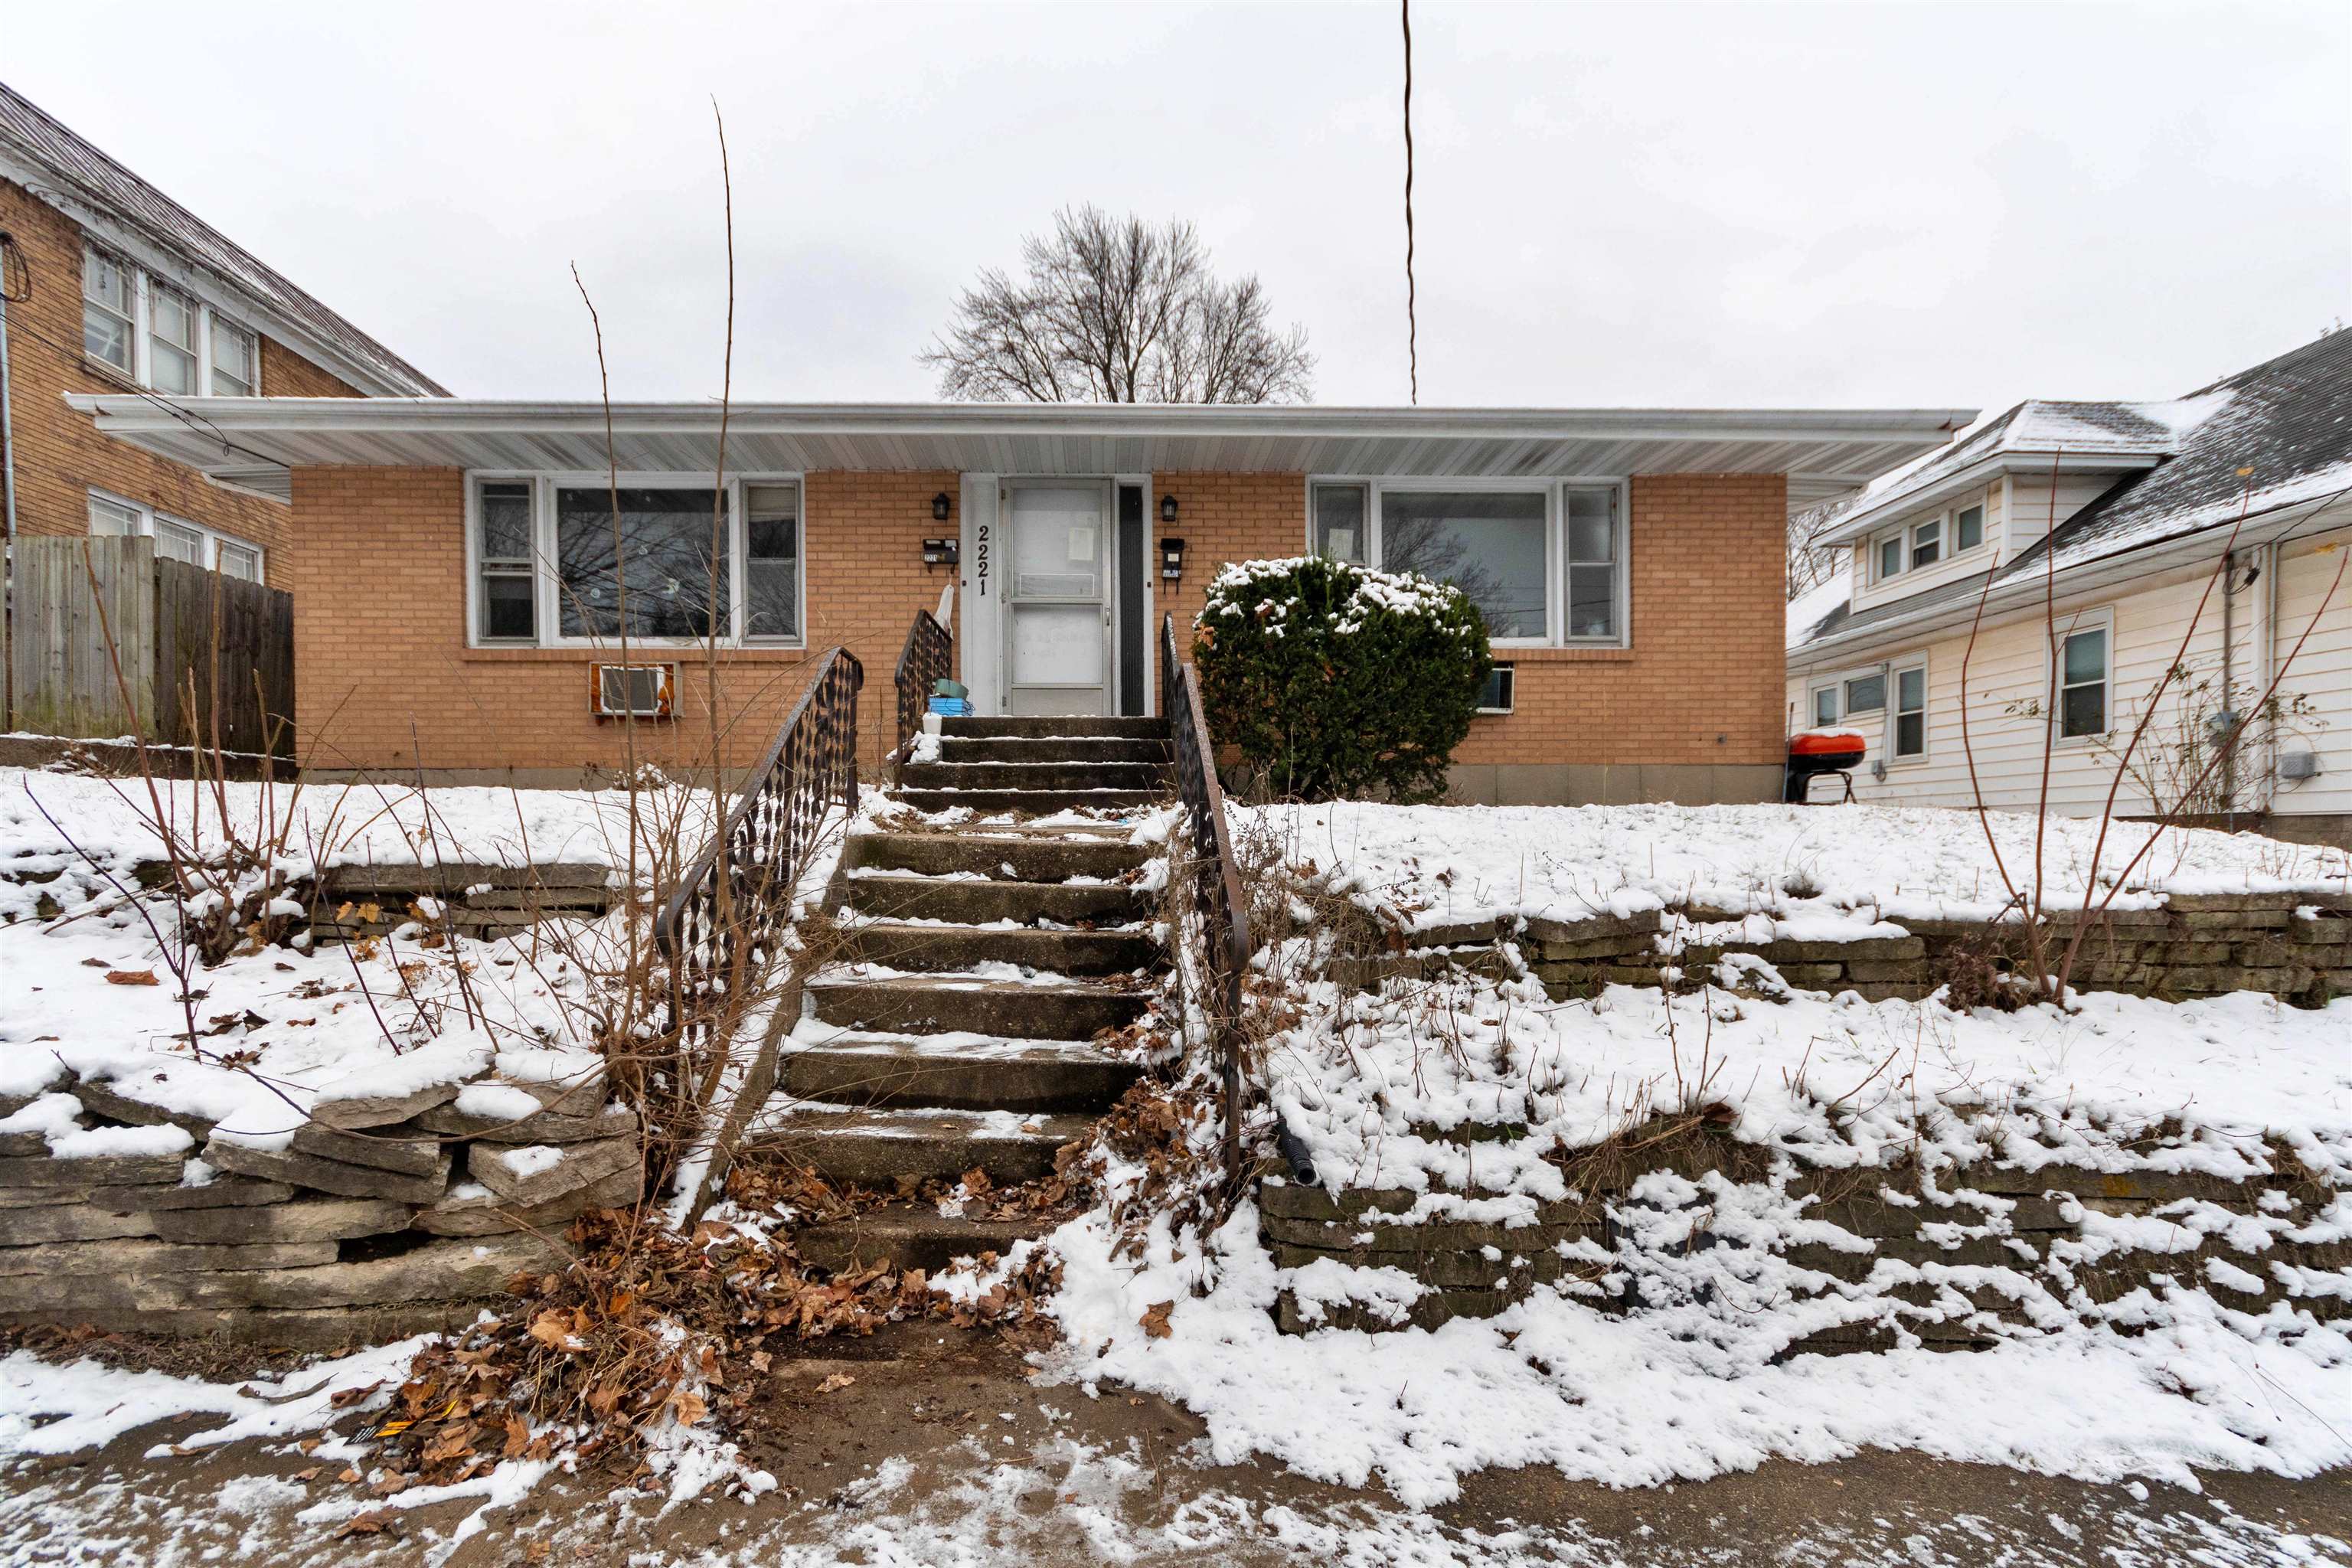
[(1825, 706), (1845, 696), (1916, 546), (1907, 724), (174, 335), (2084, 677), (109, 310), (548, 562), (176, 539), (1544, 561), (161, 335)]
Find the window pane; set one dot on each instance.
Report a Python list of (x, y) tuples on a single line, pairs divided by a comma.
[(1927, 544), (1867, 695), (173, 369), (240, 561), (1592, 524), (1496, 696), (175, 319), (771, 580), (2087, 657), (1340, 522), (1911, 690), (178, 543), (1825, 705), (1592, 601), (665, 569), (1968, 528), (2082, 710), (1910, 734), (232, 361), (104, 281), (1890, 557), (1489, 544), (505, 523), (506, 606), (106, 337), (112, 517)]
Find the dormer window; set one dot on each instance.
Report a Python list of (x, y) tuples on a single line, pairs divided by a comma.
[(1926, 543), (1968, 528), (1944, 537)]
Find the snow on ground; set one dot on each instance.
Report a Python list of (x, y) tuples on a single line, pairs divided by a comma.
[(1433, 865), (1698, 1383), (93, 991)]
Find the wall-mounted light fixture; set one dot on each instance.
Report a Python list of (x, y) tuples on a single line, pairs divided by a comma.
[(1172, 553), (940, 506), (1168, 512), (939, 552)]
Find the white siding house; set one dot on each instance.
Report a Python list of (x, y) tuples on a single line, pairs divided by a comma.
[(2013, 611)]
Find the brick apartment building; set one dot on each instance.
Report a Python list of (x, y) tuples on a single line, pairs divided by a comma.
[(112, 287), (459, 570)]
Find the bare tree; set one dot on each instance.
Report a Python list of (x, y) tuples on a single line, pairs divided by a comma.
[(1810, 564), (1117, 311)]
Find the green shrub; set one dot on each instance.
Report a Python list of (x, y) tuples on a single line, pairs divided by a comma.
[(1334, 679)]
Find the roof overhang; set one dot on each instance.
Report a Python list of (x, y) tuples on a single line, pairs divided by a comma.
[(1871, 513), (2026, 593), (1823, 452)]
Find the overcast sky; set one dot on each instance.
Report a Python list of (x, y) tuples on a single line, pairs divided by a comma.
[(1677, 205)]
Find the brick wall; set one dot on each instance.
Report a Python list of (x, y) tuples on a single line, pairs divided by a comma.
[(379, 581), (1701, 683), (60, 456)]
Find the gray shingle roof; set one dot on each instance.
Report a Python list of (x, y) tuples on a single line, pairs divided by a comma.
[(83, 173), (2288, 419)]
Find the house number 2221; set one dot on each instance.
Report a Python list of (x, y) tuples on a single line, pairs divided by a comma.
[(980, 558)]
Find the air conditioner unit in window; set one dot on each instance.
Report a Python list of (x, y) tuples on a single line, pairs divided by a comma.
[(644, 691)]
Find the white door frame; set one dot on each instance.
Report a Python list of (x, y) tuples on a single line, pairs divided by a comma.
[(1106, 589)]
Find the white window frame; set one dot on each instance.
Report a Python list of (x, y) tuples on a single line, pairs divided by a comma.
[(142, 285), (1813, 692), (1552, 488), (199, 337), (130, 292), (2054, 677), (1835, 683), (1895, 671), (1946, 523), (546, 607), (213, 538)]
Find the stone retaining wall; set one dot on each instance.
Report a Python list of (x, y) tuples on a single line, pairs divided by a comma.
[(2295, 946), (477, 901), (2236, 1239), (385, 1216)]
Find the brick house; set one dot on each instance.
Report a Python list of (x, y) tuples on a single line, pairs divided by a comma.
[(113, 287), (453, 563)]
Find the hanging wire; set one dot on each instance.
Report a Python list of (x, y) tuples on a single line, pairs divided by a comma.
[(1412, 321)]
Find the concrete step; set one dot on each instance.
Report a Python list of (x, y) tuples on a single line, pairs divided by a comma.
[(1051, 749), (979, 903), (911, 1239), (1028, 802), (947, 949), (1064, 774), (1042, 857), (940, 1005), (1034, 729), (982, 1075), (872, 1148)]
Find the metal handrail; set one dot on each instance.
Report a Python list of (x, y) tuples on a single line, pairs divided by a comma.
[(927, 658), (735, 899), (1217, 902)]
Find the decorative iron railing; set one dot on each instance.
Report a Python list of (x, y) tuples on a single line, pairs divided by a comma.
[(1221, 916), (927, 658), (723, 923)]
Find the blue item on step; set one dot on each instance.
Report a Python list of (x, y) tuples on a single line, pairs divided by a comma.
[(951, 707)]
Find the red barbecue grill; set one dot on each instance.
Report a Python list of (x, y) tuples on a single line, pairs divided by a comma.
[(1817, 752)]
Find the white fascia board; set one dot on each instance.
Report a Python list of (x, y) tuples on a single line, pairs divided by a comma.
[(223, 294), (1868, 518), (426, 415)]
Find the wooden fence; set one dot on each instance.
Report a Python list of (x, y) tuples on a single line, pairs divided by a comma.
[(205, 659)]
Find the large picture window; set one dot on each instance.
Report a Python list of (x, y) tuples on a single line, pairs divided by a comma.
[(1545, 562), (650, 571), (549, 565)]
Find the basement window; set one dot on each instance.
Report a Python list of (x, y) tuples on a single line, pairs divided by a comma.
[(1501, 690)]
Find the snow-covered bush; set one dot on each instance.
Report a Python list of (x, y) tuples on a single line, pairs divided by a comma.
[(1334, 680)]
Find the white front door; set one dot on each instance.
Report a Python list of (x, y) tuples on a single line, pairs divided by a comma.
[(1057, 620)]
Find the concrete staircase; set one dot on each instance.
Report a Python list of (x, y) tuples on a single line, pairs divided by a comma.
[(955, 1029)]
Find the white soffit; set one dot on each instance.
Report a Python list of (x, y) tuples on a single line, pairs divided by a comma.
[(1823, 452)]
